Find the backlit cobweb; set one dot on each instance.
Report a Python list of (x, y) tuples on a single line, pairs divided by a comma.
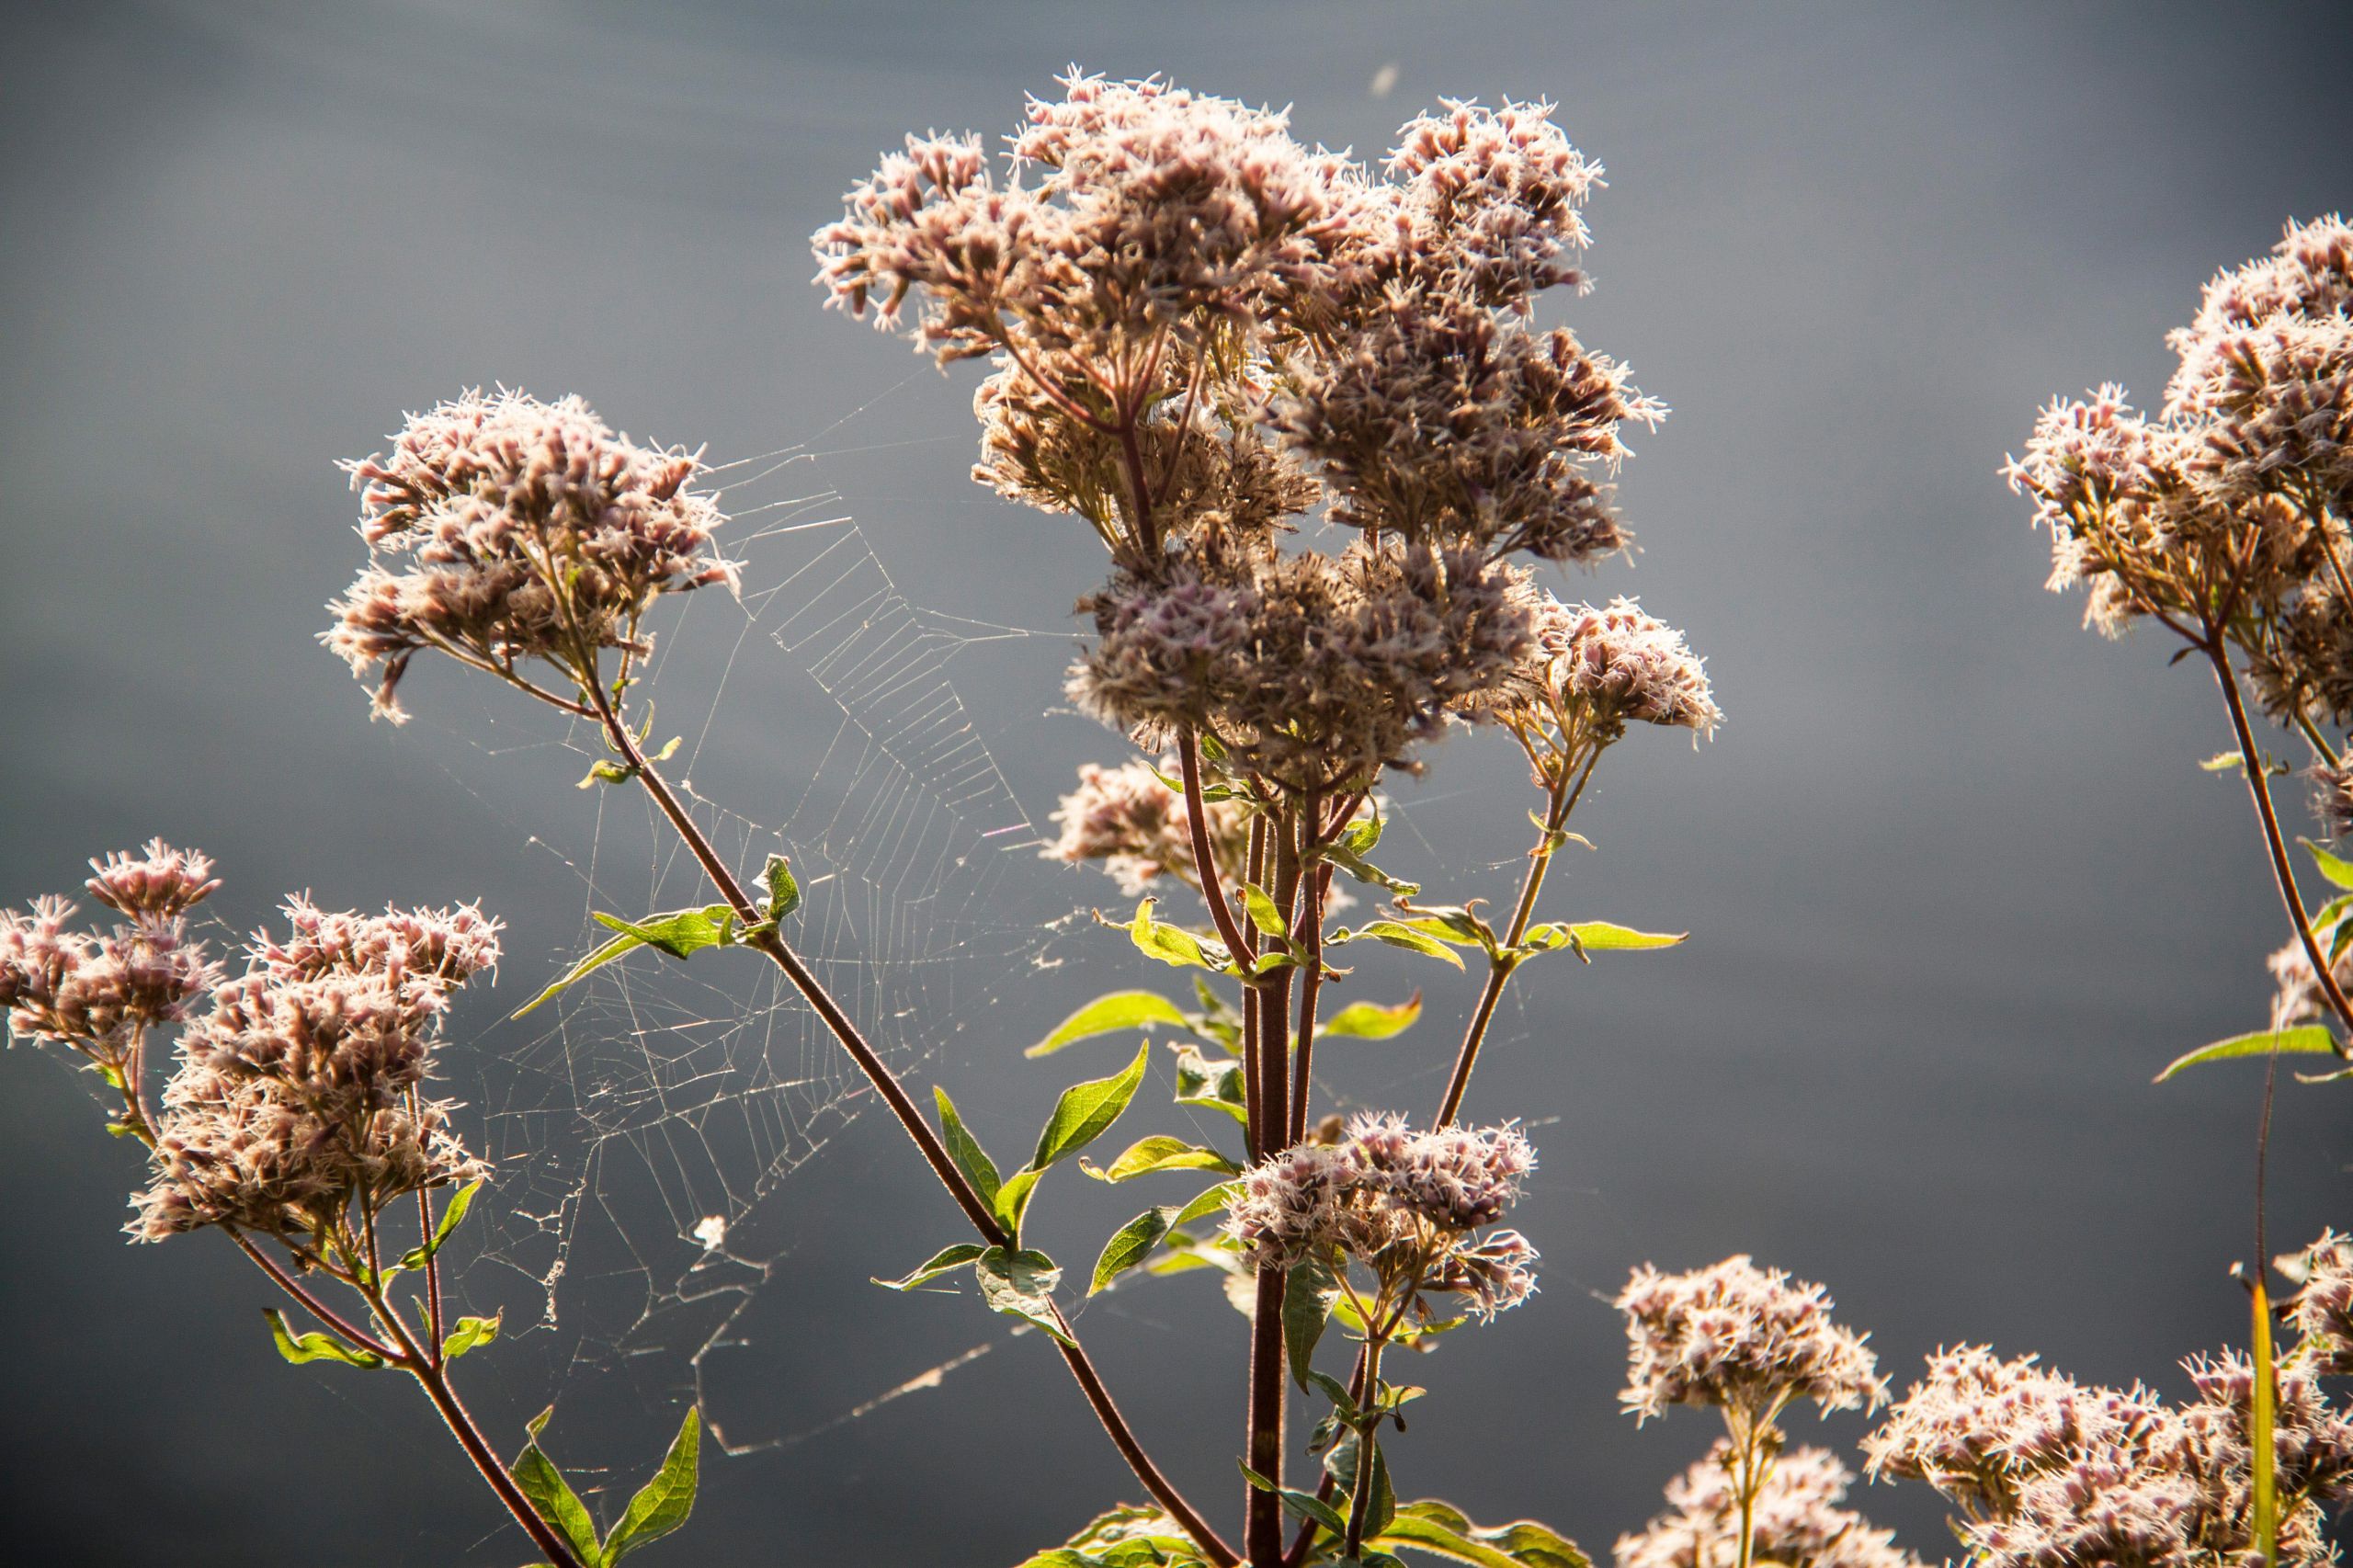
[(642, 1122)]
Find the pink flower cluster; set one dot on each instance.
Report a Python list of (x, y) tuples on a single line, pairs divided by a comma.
[(100, 994), (1798, 1522), (2050, 1473), (300, 1090), (1746, 1340), (1135, 824), (1403, 1203), (501, 528)]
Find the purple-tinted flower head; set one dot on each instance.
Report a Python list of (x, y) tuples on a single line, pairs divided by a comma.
[(157, 884), (1129, 819), (1744, 1339), (501, 529), (2322, 1309)]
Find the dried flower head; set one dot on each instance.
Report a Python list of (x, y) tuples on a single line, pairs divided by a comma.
[(1131, 820), (501, 528), (301, 1089), (1797, 1520), (1746, 1340)]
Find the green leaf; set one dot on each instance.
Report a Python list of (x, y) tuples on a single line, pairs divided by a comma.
[(2310, 1040), (1398, 934), (1586, 937), (2334, 868), (1162, 1153), (1308, 1293), (1174, 944), (1370, 1020), (1365, 871), (784, 893), (1208, 1201), (662, 1504), (594, 960), (965, 1149), (552, 1496), (1450, 923), (1443, 1531), (1210, 1085), (1109, 1015), (1013, 1199), (681, 932), (299, 1348), (1382, 1507), (1130, 1246), (946, 1260), (605, 773), (1263, 913), (1087, 1111), (471, 1332), (451, 1218), (1298, 1504), (1021, 1285)]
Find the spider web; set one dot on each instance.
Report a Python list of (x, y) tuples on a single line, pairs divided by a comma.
[(643, 1120)]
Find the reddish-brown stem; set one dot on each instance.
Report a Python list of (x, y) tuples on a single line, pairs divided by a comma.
[(1261, 1530), (1564, 801), (2282, 871), (334, 1321), (434, 1379), (772, 944), (1310, 936), (1367, 1452), (1197, 820)]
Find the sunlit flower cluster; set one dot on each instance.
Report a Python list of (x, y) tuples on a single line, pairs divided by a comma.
[(502, 529), (2226, 514), (1200, 328), (98, 993), (1797, 1520), (1129, 818), (2321, 1310), (301, 1089), (1401, 1203), (1745, 1340), (2046, 1472)]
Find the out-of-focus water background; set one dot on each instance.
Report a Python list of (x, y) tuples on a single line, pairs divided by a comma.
[(1957, 885)]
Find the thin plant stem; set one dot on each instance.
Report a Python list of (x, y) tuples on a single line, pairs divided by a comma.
[(1367, 1454), (1262, 1525), (1563, 800), (772, 944), (309, 1301), (2282, 871)]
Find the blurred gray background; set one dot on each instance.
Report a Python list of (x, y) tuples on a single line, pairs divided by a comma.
[(1957, 886)]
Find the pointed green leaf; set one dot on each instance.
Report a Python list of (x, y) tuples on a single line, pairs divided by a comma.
[(1012, 1202), (1365, 871), (1162, 1153), (451, 1218), (1210, 1200), (1443, 1531), (946, 1260), (1309, 1291), (1021, 1285), (469, 1334), (965, 1149), (1110, 1015), (662, 1504), (681, 932), (553, 1499), (1399, 935), (1370, 1020), (1087, 1111), (1299, 1505), (2335, 867), (299, 1348), (1174, 944), (594, 960), (1262, 912), (2310, 1040), (1597, 937), (1210, 1085), (1130, 1246)]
